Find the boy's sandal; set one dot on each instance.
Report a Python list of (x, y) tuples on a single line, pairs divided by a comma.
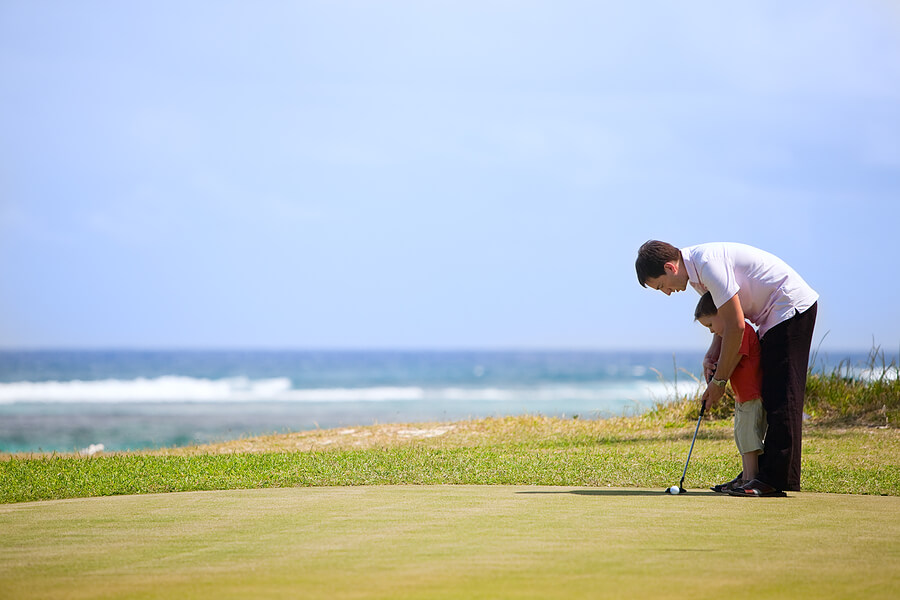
[(724, 488), (757, 489)]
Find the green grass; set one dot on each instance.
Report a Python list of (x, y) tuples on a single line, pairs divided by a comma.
[(511, 451), (450, 542)]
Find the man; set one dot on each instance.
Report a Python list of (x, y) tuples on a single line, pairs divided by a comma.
[(746, 282)]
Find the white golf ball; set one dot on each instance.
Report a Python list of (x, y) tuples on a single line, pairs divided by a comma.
[(674, 489)]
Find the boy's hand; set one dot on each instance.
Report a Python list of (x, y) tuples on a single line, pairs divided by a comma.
[(712, 395)]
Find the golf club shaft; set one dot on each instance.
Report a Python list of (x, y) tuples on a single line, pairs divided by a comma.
[(696, 429)]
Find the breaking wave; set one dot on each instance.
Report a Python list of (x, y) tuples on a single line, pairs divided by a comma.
[(280, 389)]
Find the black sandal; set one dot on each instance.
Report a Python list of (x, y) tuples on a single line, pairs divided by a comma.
[(757, 489), (724, 488)]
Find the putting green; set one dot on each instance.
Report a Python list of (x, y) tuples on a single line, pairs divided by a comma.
[(451, 542)]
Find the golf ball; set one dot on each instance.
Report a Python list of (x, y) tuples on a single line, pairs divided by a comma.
[(674, 489)]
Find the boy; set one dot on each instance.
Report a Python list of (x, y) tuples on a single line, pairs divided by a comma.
[(746, 381)]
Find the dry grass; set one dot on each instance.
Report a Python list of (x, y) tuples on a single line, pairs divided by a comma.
[(493, 431)]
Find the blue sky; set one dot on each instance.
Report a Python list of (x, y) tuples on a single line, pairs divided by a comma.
[(435, 174)]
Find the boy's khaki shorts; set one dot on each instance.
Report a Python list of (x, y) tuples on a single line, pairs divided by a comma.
[(749, 425)]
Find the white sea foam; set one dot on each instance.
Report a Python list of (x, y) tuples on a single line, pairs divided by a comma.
[(160, 389), (92, 450), (872, 374), (242, 389)]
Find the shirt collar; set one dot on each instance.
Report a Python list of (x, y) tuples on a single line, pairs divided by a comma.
[(693, 276)]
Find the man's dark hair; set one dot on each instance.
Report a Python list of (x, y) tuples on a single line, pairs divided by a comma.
[(651, 260), (706, 307)]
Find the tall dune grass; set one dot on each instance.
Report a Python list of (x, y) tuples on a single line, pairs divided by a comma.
[(856, 395), (848, 394)]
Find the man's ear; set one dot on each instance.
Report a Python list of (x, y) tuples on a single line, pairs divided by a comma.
[(671, 268)]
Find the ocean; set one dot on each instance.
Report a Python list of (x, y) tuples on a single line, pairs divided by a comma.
[(68, 401)]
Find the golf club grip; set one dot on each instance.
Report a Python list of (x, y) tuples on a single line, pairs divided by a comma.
[(709, 378)]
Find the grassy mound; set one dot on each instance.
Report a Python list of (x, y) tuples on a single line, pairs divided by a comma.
[(851, 445), (525, 450)]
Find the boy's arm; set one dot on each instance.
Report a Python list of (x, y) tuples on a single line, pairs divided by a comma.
[(729, 355)]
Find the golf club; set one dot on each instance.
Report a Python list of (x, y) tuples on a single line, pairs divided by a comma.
[(680, 487)]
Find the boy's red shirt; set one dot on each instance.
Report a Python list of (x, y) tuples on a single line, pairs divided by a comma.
[(746, 379)]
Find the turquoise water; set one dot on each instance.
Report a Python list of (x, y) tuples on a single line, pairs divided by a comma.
[(69, 400)]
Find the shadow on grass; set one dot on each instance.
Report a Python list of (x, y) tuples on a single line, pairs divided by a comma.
[(620, 492)]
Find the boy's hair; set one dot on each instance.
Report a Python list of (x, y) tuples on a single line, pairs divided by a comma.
[(706, 307), (651, 260)]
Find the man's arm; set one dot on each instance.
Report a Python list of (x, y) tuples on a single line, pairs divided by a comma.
[(729, 355), (712, 357)]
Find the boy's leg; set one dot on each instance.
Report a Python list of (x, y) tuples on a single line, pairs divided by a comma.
[(749, 432), (785, 360), (750, 462)]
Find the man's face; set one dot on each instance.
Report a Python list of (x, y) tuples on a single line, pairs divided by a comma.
[(669, 282)]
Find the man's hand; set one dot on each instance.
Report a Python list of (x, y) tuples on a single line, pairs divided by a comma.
[(709, 367), (711, 358), (729, 350)]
